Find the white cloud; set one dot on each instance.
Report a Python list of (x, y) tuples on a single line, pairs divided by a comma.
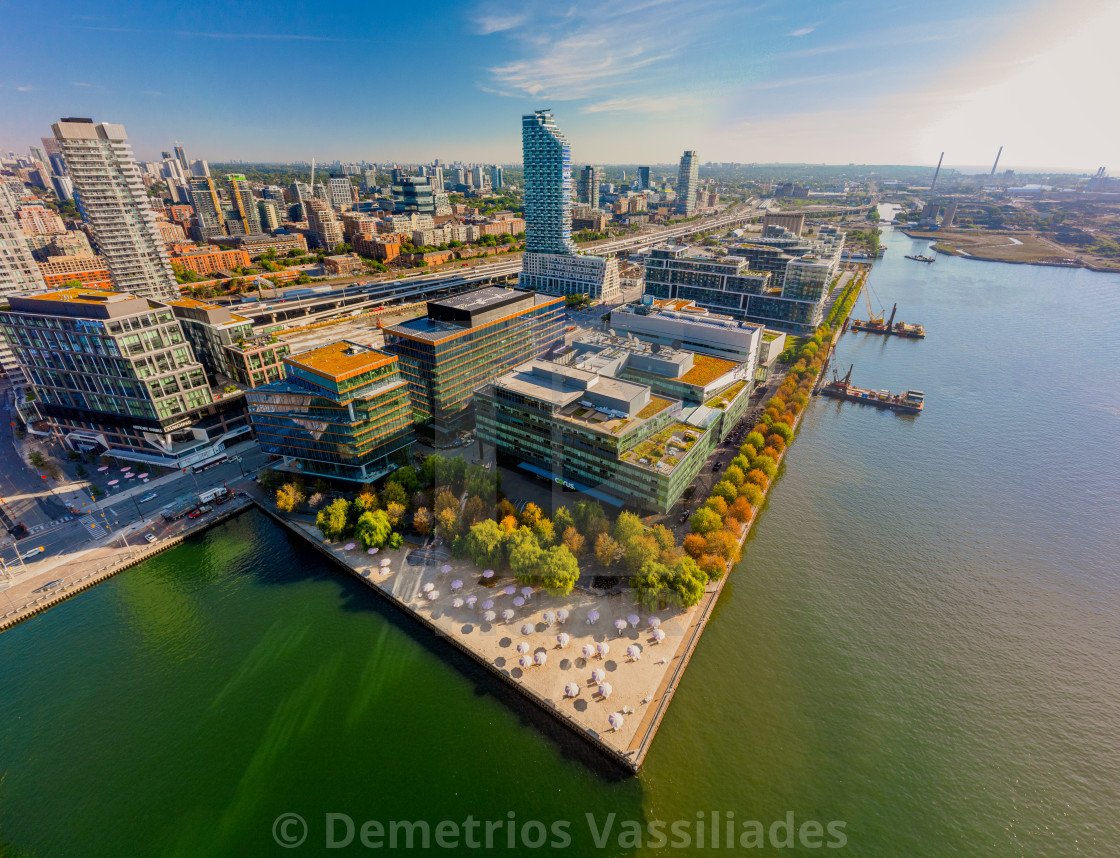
[(487, 24), (804, 31)]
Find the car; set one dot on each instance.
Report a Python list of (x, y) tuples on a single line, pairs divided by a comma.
[(148, 497), (194, 513), (205, 508), (715, 466), (150, 537)]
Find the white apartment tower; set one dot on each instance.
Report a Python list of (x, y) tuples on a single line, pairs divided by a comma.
[(107, 178), (19, 272), (688, 180)]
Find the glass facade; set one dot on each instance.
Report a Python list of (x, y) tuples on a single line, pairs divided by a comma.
[(355, 425), (548, 185)]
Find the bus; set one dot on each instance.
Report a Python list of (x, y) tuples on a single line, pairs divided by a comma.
[(210, 463)]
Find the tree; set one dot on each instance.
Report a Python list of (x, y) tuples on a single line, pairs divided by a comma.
[(334, 521), (758, 477), (373, 529), (756, 440), (725, 489), (395, 541), (394, 493), (717, 504), (781, 429), (525, 555), (559, 571), (641, 549), (706, 521), (505, 510), (752, 493), (664, 537), (531, 516), (694, 544), (486, 544), (422, 520), (741, 510), (407, 478), (585, 513), (573, 540), (447, 523), (366, 502), (562, 519), (648, 586), (734, 474), (767, 465), (395, 511), (288, 497), (444, 501), (686, 581), (475, 510), (627, 528), (724, 544), (607, 550)]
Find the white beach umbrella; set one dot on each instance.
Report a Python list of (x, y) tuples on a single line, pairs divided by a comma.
[(602, 648), (457, 584), (598, 675), (654, 622), (563, 640), (620, 624), (456, 602), (471, 599), (427, 588), (571, 690), (562, 614), (385, 561), (522, 647), (605, 689), (659, 635), (588, 650), (616, 721), (634, 651), (525, 661), (548, 617), (633, 620), (540, 656), (507, 615), (592, 615), (528, 628), (433, 595), (489, 616)]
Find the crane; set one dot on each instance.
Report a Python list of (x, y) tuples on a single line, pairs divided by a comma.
[(872, 316)]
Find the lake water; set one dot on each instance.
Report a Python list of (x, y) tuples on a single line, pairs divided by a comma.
[(922, 642)]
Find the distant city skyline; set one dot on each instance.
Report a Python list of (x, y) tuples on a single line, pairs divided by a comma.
[(632, 82)]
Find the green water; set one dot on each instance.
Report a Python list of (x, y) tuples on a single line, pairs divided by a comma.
[(922, 642)]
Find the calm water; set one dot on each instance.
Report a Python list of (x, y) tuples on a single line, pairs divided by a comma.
[(923, 641)]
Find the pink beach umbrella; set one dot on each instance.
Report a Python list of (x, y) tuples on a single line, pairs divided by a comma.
[(103, 468), (142, 476), (523, 647), (615, 720), (126, 469), (588, 651), (634, 651), (371, 552), (433, 595), (445, 568), (659, 635), (540, 657), (597, 675), (562, 640), (385, 562)]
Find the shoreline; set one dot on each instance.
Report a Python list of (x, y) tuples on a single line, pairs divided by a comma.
[(964, 254)]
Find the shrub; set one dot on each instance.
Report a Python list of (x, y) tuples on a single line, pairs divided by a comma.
[(395, 541)]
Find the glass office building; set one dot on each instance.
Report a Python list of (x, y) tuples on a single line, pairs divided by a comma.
[(342, 412), (465, 341)]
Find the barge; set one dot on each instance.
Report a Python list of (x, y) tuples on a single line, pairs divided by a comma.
[(910, 402), (918, 257), (876, 325)]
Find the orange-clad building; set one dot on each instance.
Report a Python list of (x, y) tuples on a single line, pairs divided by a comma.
[(207, 260), (90, 271)]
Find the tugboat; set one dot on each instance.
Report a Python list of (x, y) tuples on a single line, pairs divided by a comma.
[(910, 402)]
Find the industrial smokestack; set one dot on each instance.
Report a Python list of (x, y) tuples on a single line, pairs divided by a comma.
[(996, 164), (933, 184)]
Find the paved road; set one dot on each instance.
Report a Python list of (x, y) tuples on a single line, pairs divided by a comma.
[(24, 496)]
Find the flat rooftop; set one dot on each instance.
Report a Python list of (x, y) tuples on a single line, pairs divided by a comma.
[(82, 303), (458, 314), (341, 360)]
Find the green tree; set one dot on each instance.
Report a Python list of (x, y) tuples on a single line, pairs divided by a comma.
[(394, 493), (407, 478), (373, 529), (756, 440), (752, 493), (559, 571), (640, 550), (706, 521), (525, 556), (725, 489), (334, 521), (486, 544), (562, 520), (627, 528), (648, 585), (585, 513)]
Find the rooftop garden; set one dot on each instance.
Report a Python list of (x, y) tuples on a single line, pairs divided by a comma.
[(722, 400), (666, 447), (706, 369), (656, 406)]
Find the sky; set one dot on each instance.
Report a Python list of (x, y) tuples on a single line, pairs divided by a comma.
[(630, 81)]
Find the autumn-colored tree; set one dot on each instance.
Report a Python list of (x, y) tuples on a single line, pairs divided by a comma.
[(767, 465), (288, 497), (694, 544), (607, 550), (735, 475), (509, 523), (422, 520), (726, 490), (545, 532), (573, 540), (393, 493), (756, 440), (775, 442), (713, 566), (741, 510), (367, 502), (783, 430), (627, 527), (639, 550), (664, 537), (485, 542), (723, 543), (445, 501), (475, 510), (396, 512), (717, 503), (505, 508), (758, 477), (752, 493), (562, 519), (732, 525), (447, 523), (705, 521), (531, 516)]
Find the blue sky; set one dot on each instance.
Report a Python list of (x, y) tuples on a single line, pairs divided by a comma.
[(629, 81)]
